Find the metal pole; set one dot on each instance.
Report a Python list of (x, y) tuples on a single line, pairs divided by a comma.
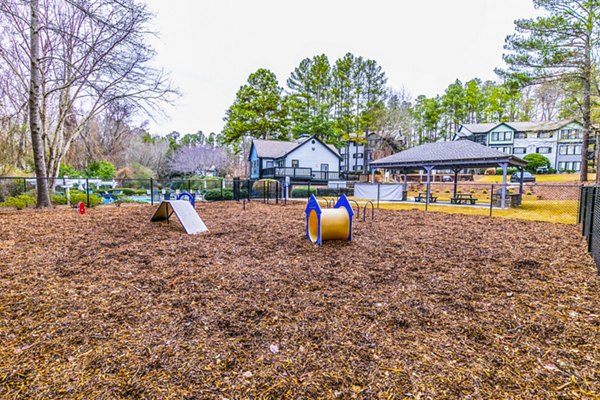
[(428, 194), (87, 191), (189, 186), (378, 190), (491, 200), (24, 185), (151, 192), (504, 172)]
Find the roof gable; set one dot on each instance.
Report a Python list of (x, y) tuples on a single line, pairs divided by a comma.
[(280, 149)]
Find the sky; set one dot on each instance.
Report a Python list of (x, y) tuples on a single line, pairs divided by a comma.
[(210, 47)]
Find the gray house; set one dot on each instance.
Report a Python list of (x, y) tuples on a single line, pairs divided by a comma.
[(559, 141)]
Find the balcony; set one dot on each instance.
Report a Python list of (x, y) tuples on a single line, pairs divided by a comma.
[(300, 174)]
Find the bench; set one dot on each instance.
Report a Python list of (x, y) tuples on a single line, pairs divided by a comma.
[(463, 198), (422, 197)]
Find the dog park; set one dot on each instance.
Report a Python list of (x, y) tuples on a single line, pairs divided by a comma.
[(416, 305)]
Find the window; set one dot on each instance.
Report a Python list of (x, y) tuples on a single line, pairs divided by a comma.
[(295, 163), (543, 150), (569, 166), (505, 149), (545, 135), (269, 164), (357, 155), (569, 149), (324, 167), (519, 150), (570, 134), (520, 135), (480, 139), (357, 168), (501, 136)]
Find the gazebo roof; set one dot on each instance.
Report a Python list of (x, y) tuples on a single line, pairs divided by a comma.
[(441, 155)]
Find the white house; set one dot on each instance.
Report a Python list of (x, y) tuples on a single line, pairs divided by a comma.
[(306, 159)]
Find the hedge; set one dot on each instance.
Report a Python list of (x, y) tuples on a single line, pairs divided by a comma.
[(302, 191), (19, 202), (227, 194)]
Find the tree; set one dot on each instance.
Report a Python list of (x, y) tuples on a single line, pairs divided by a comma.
[(258, 110), (100, 169), (81, 57), (560, 45), (197, 159), (310, 99), (535, 161)]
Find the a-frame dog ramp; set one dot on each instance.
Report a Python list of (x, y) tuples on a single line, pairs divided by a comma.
[(187, 215)]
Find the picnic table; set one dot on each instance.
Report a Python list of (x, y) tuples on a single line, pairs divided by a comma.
[(463, 198), (422, 197)]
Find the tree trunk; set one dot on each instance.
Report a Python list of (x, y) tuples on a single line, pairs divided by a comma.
[(43, 196)]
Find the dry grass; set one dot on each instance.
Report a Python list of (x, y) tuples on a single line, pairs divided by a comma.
[(555, 211), (427, 305), (540, 178)]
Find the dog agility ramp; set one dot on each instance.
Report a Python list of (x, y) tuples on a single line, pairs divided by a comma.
[(187, 215)]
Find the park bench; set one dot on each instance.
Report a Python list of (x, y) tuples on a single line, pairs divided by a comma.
[(422, 197), (463, 198)]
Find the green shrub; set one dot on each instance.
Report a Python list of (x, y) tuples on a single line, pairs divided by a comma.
[(472, 191), (19, 202), (484, 191), (127, 191), (81, 197), (509, 171), (217, 194), (302, 192), (529, 193), (459, 191), (447, 191), (437, 190), (58, 200), (535, 161)]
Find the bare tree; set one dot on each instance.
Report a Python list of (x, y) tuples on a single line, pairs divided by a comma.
[(151, 153), (92, 54), (198, 160)]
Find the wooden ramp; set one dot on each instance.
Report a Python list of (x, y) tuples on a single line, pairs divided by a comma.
[(187, 215)]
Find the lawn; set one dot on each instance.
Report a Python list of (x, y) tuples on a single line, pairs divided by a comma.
[(419, 305)]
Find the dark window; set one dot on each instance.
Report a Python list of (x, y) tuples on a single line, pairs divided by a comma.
[(519, 150), (295, 163), (544, 150)]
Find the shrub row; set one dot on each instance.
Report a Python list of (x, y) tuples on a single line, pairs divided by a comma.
[(225, 194)]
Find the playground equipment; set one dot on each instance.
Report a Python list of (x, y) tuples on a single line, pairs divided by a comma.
[(328, 224), (190, 197), (187, 215)]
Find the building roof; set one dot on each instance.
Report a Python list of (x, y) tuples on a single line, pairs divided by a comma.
[(461, 153), (272, 148), (529, 126), (280, 148)]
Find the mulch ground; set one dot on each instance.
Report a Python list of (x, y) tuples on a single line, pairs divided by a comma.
[(419, 305)]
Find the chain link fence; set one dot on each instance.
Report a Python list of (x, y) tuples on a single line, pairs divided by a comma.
[(558, 203)]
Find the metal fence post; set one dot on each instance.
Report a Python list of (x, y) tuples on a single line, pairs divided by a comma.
[(308, 191), (491, 199), (378, 190), (151, 192), (189, 186), (87, 191), (24, 186)]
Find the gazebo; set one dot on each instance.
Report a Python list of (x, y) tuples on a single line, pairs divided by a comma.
[(455, 156)]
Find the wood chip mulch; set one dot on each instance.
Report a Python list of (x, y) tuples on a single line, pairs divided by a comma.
[(420, 305)]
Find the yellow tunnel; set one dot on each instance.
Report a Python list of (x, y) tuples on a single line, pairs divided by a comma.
[(335, 224)]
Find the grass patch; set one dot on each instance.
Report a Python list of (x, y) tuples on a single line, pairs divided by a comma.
[(545, 178), (556, 211)]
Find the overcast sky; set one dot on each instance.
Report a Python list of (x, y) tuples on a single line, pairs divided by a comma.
[(210, 47)]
